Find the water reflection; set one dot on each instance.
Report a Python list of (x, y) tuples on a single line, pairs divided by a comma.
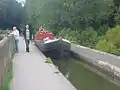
[(83, 78)]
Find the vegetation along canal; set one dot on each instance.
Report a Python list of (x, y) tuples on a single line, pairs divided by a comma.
[(82, 76)]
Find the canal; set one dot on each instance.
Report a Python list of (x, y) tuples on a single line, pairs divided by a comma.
[(82, 76)]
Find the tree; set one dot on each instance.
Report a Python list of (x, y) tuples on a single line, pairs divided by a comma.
[(88, 38), (74, 14), (111, 41), (112, 36), (10, 13)]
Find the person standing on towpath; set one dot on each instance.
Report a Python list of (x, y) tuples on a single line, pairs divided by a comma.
[(27, 37), (15, 33)]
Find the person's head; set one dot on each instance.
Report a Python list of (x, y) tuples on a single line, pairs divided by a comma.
[(27, 26), (41, 28), (14, 28)]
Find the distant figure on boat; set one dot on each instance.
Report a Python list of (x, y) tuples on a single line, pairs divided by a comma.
[(15, 33), (41, 28), (27, 37)]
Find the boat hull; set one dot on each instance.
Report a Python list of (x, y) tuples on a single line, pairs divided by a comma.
[(54, 48)]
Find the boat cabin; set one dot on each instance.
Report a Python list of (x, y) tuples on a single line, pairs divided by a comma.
[(43, 35)]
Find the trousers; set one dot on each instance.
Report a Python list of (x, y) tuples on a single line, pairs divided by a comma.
[(16, 45), (27, 45)]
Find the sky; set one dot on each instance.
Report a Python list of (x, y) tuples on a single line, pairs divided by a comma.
[(20, 0)]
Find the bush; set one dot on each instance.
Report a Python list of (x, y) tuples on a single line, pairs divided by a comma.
[(69, 34), (105, 46), (113, 36), (3, 33), (86, 37), (1, 37), (110, 42)]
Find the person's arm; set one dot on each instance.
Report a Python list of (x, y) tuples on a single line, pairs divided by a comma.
[(12, 33), (18, 32), (30, 34), (24, 34)]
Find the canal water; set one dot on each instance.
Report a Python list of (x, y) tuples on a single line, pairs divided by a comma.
[(82, 77)]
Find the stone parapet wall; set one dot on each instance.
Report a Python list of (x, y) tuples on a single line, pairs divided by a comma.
[(7, 50), (105, 62)]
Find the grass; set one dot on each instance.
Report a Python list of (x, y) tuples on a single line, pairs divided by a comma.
[(7, 81), (48, 60)]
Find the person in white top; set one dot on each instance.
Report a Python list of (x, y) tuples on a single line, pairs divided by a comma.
[(15, 33)]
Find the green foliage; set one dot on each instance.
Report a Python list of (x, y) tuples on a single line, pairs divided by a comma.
[(86, 37), (113, 36), (1, 37), (3, 33), (71, 35), (84, 22), (103, 45), (59, 14), (111, 41), (10, 13), (48, 60), (7, 81)]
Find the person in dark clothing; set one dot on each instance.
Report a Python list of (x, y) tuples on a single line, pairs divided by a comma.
[(27, 35)]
